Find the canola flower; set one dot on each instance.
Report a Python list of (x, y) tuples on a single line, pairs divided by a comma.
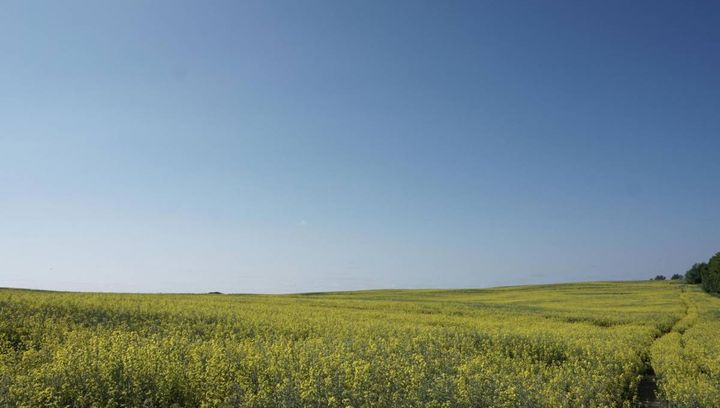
[(576, 345), (687, 360)]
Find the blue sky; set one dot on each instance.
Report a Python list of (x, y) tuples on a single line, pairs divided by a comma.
[(320, 145)]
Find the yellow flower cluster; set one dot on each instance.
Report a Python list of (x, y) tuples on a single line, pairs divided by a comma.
[(687, 360), (576, 345)]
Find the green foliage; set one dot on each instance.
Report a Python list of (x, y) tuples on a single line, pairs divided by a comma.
[(540, 346), (711, 275), (676, 276), (694, 274), (659, 277)]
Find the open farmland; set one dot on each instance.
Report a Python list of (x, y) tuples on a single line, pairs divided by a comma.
[(572, 345)]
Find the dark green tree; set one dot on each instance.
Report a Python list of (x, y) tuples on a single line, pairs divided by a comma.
[(694, 274), (660, 277), (676, 276), (711, 275)]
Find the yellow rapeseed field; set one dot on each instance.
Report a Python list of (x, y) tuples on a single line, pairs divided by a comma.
[(573, 345), (688, 358)]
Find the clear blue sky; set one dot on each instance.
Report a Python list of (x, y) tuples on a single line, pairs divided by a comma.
[(318, 145)]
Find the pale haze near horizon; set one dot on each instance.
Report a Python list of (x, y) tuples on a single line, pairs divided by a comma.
[(305, 146)]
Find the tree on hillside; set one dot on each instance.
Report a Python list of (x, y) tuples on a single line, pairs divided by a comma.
[(711, 275), (676, 276), (660, 277), (694, 274)]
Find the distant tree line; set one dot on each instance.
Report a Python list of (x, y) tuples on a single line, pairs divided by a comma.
[(706, 274), (676, 276)]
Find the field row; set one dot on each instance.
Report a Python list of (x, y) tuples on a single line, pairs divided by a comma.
[(687, 360)]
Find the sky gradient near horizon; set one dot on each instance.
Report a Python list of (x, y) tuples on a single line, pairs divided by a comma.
[(284, 146)]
